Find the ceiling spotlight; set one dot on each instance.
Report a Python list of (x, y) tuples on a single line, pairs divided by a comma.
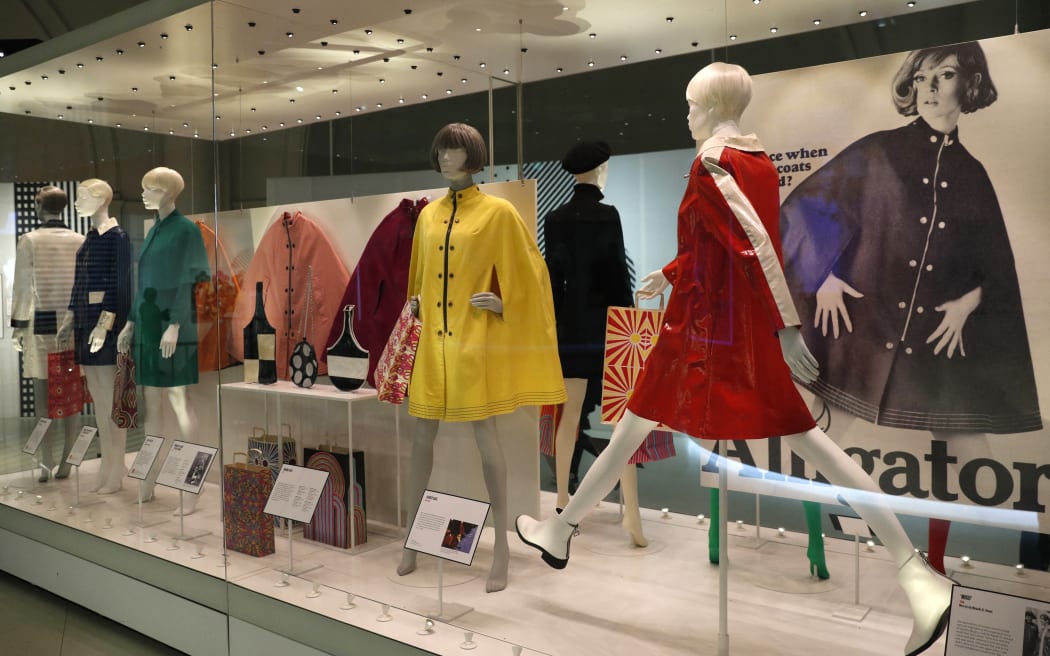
[(298, 120), (401, 100), (98, 59), (430, 50), (171, 77), (756, 2), (482, 65), (911, 4), (862, 13), (171, 131), (119, 51), (324, 44), (142, 44), (463, 81), (773, 29), (559, 69), (185, 125), (247, 130), (658, 51), (424, 96), (670, 19), (214, 66), (477, 29), (448, 92), (299, 89), (816, 21), (382, 81), (289, 34), (506, 71), (164, 35), (338, 113), (43, 77), (251, 23), (61, 116), (79, 65), (291, 100), (623, 57), (232, 133), (189, 28), (266, 127), (400, 42), (91, 120), (261, 52), (134, 89), (357, 52), (295, 10), (333, 91), (120, 125), (368, 32), (732, 37), (334, 21), (196, 135), (217, 117), (592, 35), (379, 105), (318, 117), (590, 64), (281, 124)]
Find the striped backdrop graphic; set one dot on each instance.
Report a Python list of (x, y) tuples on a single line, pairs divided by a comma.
[(25, 221)]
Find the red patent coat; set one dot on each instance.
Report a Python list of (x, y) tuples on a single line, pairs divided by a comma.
[(717, 371)]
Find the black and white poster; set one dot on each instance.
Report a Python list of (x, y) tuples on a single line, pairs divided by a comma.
[(986, 623)]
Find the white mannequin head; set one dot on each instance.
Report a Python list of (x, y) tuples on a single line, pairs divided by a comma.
[(457, 153), (160, 187), (717, 96), (597, 176), (93, 196), (50, 202)]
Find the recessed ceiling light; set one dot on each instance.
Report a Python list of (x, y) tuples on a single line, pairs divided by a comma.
[(756, 2), (185, 125), (559, 69), (171, 77), (232, 133), (334, 21), (401, 100), (379, 105), (146, 128), (477, 29), (338, 113), (506, 71), (266, 127), (463, 81), (590, 64), (382, 81), (732, 37), (592, 35), (862, 12), (448, 92), (142, 44), (369, 32), (281, 124), (291, 100), (299, 89), (79, 65), (164, 35), (482, 64), (911, 4), (623, 57), (424, 96), (247, 130), (773, 29), (61, 116), (670, 19), (320, 68), (196, 135), (816, 21), (43, 77), (91, 120), (289, 34), (189, 28), (134, 89), (217, 117), (98, 59), (298, 120), (214, 66), (318, 117), (171, 131), (357, 109), (658, 51), (400, 42), (119, 51), (120, 125)]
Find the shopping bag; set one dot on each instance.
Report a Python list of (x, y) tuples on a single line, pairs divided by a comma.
[(125, 412), (263, 449), (395, 363), (245, 490), (338, 510), (630, 335), (66, 388)]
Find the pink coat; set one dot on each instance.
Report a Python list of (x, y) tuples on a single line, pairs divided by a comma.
[(290, 246)]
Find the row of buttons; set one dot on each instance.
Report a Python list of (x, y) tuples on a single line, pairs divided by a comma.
[(889, 347)]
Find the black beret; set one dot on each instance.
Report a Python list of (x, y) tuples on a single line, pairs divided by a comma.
[(585, 156)]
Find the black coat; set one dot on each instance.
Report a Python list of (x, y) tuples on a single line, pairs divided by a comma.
[(588, 268), (909, 218)]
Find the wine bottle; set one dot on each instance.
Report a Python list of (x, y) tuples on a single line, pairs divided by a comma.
[(260, 345)]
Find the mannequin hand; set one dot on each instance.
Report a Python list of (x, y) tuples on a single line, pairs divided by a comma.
[(124, 338), (949, 332), (797, 356), (65, 331), (487, 301), (97, 339), (653, 285), (18, 336), (169, 340), (414, 305), (830, 305)]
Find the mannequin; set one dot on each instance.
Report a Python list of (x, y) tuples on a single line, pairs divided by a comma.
[(172, 262), (741, 212), (484, 307), (44, 263), (587, 263), (99, 306)]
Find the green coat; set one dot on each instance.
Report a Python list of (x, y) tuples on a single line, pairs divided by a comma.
[(172, 262)]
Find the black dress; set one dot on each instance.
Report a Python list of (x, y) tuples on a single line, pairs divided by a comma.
[(909, 218), (102, 281)]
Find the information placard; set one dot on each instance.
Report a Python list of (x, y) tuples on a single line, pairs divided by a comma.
[(37, 436), (447, 526), (80, 447), (986, 623), (295, 493), (186, 466), (146, 457)]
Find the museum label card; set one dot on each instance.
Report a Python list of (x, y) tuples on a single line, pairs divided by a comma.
[(186, 466), (80, 447), (146, 457), (37, 436), (295, 493), (447, 526)]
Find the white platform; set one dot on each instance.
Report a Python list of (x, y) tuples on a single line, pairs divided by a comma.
[(612, 600)]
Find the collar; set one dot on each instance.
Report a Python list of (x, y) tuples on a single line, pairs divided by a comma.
[(53, 223), (105, 226), (588, 191), (464, 195), (929, 135), (745, 142)]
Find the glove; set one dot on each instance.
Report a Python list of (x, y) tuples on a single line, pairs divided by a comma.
[(124, 338)]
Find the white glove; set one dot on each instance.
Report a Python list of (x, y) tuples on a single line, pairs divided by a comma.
[(797, 356), (169, 340), (97, 339), (653, 285), (487, 301), (18, 336), (124, 338)]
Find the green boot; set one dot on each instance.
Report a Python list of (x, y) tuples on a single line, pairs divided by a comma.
[(815, 551)]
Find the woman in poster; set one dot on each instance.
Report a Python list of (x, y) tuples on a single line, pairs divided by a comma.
[(898, 251)]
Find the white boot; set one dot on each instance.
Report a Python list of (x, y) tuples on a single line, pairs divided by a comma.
[(551, 536), (930, 595)]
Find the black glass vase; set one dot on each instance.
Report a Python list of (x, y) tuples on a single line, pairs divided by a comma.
[(347, 361)]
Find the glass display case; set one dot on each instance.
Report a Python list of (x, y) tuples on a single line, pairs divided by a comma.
[(209, 214)]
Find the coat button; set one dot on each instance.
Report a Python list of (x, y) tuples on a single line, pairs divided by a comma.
[(933, 139), (439, 303), (902, 305), (451, 248), (450, 333), (439, 276), (908, 350), (944, 184), (913, 263), (440, 333), (441, 248), (450, 303), (941, 225), (451, 275), (926, 181), (923, 220), (889, 346), (929, 267), (920, 309)]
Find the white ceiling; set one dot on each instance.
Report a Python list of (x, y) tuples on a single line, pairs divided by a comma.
[(346, 57)]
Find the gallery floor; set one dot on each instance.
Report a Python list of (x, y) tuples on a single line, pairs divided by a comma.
[(613, 599)]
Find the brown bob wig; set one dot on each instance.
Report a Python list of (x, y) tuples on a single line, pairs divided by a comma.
[(460, 135), (976, 90)]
